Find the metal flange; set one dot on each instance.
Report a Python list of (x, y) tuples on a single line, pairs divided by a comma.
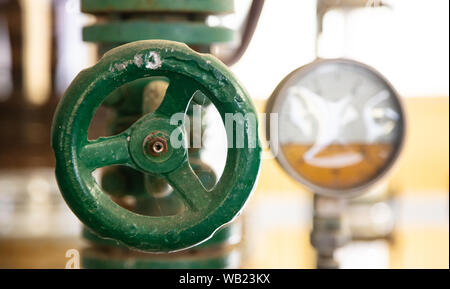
[(135, 30), (179, 6), (93, 258)]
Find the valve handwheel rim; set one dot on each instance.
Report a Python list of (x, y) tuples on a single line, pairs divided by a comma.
[(77, 156)]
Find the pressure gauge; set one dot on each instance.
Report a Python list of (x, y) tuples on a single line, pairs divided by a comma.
[(340, 126)]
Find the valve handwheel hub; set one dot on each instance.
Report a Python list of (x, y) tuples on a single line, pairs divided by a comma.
[(149, 146), (155, 145)]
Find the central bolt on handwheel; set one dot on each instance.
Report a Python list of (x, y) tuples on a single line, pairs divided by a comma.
[(156, 146), (148, 146)]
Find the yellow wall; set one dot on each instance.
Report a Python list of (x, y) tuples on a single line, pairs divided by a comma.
[(424, 164), (421, 172)]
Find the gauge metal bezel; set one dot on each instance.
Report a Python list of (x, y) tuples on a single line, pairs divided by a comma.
[(274, 106)]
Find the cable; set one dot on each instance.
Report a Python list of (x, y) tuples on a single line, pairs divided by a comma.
[(247, 35)]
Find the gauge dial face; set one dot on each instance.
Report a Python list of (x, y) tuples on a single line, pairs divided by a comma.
[(340, 126)]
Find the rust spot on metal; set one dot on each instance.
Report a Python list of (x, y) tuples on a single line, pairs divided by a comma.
[(156, 146)]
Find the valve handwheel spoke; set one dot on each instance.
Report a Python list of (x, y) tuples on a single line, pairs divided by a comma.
[(148, 146), (177, 97), (106, 151), (188, 185)]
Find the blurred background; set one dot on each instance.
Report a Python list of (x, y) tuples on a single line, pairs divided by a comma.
[(403, 222)]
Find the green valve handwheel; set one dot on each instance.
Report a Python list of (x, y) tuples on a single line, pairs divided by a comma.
[(178, 6), (135, 30), (149, 146)]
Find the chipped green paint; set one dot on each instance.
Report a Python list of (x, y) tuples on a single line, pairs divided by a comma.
[(207, 210), (228, 235)]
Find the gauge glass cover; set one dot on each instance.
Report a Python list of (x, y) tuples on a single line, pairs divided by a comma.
[(340, 127)]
